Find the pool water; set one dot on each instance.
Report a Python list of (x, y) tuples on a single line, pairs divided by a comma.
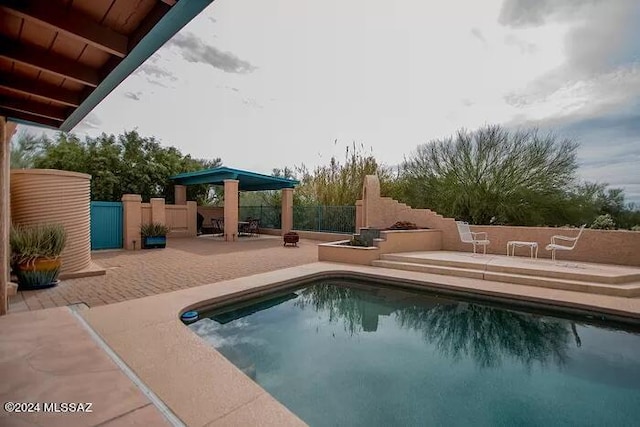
[(340, 353)]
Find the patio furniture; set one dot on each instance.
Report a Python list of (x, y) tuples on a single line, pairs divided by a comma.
[(291, 238), (513, 244), (243, 228), (254, 227), (571, 243), (217, 225), (468, 236)]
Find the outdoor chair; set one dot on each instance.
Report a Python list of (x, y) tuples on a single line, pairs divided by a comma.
[(218, 226), (468, 236), (568, 246), (254, 227)]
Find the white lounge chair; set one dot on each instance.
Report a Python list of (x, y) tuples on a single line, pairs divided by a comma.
[(468, 236), (571, 243)]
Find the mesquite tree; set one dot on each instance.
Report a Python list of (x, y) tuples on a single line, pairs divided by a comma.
[(492, 175)]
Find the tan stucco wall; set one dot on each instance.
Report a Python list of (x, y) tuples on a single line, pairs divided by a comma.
[(210, 212), (599, 246), (53, 196), (333, 252), (181, 219), (311, 235), (409, 241)]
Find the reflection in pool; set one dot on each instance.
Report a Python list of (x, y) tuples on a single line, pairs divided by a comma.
[(343, 353)]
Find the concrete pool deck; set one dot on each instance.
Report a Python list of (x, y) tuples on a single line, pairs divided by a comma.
[(199, 385)]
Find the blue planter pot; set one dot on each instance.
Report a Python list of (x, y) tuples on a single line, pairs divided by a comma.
[(153, 242)]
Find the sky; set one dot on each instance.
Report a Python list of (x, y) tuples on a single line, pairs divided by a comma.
[(273, 83)]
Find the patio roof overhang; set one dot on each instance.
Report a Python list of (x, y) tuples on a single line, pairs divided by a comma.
[(248, 181), (60, 58)]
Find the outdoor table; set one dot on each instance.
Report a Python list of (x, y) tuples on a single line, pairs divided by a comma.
[(513, 244)]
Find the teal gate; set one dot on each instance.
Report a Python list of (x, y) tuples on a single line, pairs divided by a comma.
[(106, 225)]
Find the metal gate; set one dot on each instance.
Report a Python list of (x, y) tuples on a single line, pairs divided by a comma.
[(106, 225)]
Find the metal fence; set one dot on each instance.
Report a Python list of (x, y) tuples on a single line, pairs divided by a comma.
[(332, 219), (269, 216)]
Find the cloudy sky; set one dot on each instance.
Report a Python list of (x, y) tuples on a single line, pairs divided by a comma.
[(269, 83)]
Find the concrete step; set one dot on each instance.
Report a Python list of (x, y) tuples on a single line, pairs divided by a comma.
[(542, 269), (628, 290), (425, 268)]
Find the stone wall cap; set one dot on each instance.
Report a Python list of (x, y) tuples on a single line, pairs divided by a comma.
[(131, 198)]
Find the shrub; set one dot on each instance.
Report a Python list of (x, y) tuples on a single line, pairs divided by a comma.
[(154, 229), (603, 222), (29, 242), (403, 225), (635, 228)]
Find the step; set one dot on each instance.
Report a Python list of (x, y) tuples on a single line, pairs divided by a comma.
[(498, 265), (433, 262), (628, 290), (433, 269)]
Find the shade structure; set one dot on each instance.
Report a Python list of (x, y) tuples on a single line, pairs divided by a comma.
[(247, 181)]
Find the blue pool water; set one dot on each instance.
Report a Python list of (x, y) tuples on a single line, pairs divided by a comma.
[(340, 353)]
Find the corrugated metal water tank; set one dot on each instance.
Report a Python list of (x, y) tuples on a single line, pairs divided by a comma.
[(49, 195)]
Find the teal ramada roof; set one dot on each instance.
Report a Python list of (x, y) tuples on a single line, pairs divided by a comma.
[(249, 181)]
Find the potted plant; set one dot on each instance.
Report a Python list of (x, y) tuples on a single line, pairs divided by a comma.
[(35, 254), (154, 235)]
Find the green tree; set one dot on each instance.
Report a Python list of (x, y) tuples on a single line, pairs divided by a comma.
[(25, 148), (127, 163), (492, 175)]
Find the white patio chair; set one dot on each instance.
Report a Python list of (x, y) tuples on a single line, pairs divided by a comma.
[(468, 236), (568, 246)]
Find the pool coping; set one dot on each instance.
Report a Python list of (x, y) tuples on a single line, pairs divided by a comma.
[(203, 388)]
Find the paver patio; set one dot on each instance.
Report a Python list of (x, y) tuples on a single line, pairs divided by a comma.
[(185, 263)]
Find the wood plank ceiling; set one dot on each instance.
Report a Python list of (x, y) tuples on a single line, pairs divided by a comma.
[(53, 53)]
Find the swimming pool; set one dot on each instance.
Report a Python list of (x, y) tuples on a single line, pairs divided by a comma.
[(354, 353)]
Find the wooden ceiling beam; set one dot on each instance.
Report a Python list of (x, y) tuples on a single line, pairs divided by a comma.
[(34, 108), (169, 2), (51, 14), (40, 90), (25, 117), (49, 62)]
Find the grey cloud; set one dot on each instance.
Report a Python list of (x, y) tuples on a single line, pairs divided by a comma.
[(195, 50), (134, 96), (528, 13), (524, 46), (475, 32), (153, 70), (609, 147)]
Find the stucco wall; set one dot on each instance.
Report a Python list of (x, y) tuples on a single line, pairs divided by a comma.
[(53, 196), (210, 212)]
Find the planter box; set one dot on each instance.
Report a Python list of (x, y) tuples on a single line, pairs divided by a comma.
[(341, 252), (153, 242)]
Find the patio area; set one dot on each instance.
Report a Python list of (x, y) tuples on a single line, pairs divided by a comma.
[(137, 346), (185, 263)]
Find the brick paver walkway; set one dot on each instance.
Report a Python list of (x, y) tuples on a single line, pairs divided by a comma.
[(185, 263)]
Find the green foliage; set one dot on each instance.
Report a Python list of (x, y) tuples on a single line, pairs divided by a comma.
[(339, 184), (492, 175), (604, 222), (126, 164), (25, 148), (36, 241), (154, 229), (635, 228)]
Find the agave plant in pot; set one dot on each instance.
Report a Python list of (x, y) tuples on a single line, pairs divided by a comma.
[(35, 254), (154, 235)]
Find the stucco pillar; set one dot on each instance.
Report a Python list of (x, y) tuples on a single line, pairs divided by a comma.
[(287, 210), (192, 219), (180, 192), (158, 215), (5, 153), (231, 210), (132, 220)]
